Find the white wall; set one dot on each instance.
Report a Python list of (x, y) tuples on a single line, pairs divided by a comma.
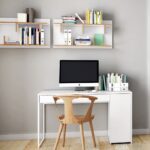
[(24, 72)]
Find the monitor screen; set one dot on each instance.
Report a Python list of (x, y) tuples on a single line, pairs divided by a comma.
[(78, 71)]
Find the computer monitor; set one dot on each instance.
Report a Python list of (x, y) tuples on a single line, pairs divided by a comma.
[(79, 73)]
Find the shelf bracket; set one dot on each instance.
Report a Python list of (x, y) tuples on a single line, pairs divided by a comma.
[(16, 27), (82, 28)]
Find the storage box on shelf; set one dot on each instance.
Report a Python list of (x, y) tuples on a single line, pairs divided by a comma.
[(90, 30), (10, 30), (113, 82)]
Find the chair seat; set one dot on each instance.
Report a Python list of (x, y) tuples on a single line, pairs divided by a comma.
[(80, 118)]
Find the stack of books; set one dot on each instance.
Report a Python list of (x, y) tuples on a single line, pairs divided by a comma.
[(31, 36), (94, 17), (69, 19), (83, 41)]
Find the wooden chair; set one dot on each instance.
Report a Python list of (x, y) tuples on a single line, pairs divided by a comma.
[(70, 118)]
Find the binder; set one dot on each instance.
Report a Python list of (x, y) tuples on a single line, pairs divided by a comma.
[(42, 40), (69, 41), (66, 36)]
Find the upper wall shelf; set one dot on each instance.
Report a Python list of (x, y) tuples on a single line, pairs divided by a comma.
[(90, 25), (89, 30), (11, 30), (15, 22)]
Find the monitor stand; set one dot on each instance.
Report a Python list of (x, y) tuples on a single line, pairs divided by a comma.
[(84, 88)]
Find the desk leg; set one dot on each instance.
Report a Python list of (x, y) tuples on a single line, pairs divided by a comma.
[(39, 119), (38, 122), (43, 121)]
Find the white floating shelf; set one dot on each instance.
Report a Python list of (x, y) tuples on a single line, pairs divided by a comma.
[(82, 29), (23, 46), (84, 47), (9, 27)]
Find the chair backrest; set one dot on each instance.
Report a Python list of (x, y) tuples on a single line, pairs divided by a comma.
[(69, 117)]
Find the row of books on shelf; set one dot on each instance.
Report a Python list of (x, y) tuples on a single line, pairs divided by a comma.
[(91, 17), (113, 82), (94, 17), (31, 36)]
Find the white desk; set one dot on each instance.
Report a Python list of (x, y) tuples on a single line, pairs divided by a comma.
[(119, 112)]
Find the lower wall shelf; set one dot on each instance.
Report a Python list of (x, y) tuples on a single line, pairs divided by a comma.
[(23, 46), (80, 47), (66, 33), (12, 33)]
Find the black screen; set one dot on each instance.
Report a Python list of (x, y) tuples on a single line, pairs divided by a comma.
[(78, 71)]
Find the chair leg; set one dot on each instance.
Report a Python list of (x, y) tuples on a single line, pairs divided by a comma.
[(82, 136), (92, 131), (64, 135), (58, 136)]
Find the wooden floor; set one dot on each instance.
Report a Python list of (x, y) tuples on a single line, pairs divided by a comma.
[(140, 142)]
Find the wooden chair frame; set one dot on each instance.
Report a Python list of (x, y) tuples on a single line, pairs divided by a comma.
[(70, 118)]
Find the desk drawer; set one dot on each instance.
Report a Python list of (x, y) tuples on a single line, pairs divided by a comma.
[(49, 99), (102, 98)]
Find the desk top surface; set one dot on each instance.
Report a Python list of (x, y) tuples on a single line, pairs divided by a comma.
[(56, 92)]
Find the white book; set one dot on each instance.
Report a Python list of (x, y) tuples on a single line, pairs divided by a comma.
[(108, 81), (98, 18), (30, 35), (42, 40), (20, 30), (37, 36), (95, 18), (112, 78)]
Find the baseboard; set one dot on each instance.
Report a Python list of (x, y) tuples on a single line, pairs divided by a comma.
[(77, 134), (69, 134), (141, 131), (48, 135), (18, 136)]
